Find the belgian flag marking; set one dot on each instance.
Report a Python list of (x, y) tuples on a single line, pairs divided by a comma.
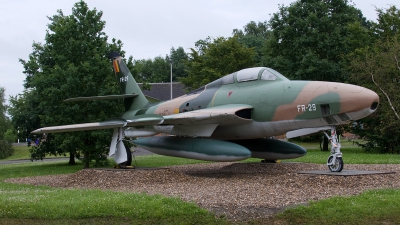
[(116, 67)]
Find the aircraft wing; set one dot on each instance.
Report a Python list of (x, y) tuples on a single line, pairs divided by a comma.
[(225, 115), (150, 119), (194, 123)]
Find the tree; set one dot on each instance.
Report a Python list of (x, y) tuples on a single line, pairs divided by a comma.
[(378, 68), (254, 35), (10, 136), (179, 59), (309, 39), (73, 62), (157, 70), (5, 146), (388, 24), (25, 113), (4, 121), (214, 59), (152, 70)]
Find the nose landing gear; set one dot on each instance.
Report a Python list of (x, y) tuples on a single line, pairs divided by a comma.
[(335, 160)]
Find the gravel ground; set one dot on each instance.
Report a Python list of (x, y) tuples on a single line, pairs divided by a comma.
[(241, 191)]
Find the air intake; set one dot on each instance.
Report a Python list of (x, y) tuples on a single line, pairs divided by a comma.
[(244, 113), (374, 105)]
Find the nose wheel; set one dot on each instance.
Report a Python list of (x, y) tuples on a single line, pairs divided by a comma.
[(335, 164), (335, 160)]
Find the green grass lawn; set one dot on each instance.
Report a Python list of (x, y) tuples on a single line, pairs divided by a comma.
[(370, 207), (28, 204), (22, 152), (45, 203)]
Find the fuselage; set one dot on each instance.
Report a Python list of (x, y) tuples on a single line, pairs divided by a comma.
[(279, 105)]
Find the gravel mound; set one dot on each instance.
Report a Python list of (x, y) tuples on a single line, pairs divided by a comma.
[(240, 191)]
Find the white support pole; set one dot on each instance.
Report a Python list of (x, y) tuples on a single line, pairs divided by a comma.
[(170, 62)]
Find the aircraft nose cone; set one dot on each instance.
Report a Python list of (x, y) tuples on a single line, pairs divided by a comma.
[(370, 99), (360, 102)]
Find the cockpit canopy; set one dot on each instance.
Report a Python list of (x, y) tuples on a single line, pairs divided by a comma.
[(249, 74), (258, 73), (255, 73)]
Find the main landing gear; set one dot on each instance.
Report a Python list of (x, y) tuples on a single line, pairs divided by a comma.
[(122, 154), (127, 164), (335, 161)]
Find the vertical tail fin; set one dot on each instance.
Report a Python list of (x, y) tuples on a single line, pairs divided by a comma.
[(127, 83)]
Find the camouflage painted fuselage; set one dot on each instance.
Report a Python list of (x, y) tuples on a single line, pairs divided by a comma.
[(276, 105), (240, 109)]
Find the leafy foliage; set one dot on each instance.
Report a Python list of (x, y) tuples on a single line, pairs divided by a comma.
[(25, 113), (152, 70), (378, 68), (309, 39), (388, 23), (4, 120), (157, 70), (10, 136), (72, 62), (254, 35), (179, 58), (5, 149), (216, 58)]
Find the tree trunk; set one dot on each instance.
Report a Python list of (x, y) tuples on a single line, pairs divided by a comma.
[(71, 159), (86, 159), (325, 144)]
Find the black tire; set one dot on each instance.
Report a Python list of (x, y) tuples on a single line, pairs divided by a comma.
[(338, 166), (128, 155), (268, 161)]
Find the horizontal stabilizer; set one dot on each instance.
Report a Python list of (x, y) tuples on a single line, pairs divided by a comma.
[(105, 97), (152, 100), (142, 120), (305, 131)]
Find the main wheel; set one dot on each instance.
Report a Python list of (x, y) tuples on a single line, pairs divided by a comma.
[(129, 156), (338, 166)]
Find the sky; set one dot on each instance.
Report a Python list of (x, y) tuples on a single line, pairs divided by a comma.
[(147, 28)]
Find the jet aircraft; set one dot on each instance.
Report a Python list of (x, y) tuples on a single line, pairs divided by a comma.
[(230, 119)]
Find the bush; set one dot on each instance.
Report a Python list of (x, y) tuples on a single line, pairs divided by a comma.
[(10, 136), (5, 149)]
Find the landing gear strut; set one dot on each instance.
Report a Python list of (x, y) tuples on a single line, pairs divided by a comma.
[(122, 154), (335, 161)]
